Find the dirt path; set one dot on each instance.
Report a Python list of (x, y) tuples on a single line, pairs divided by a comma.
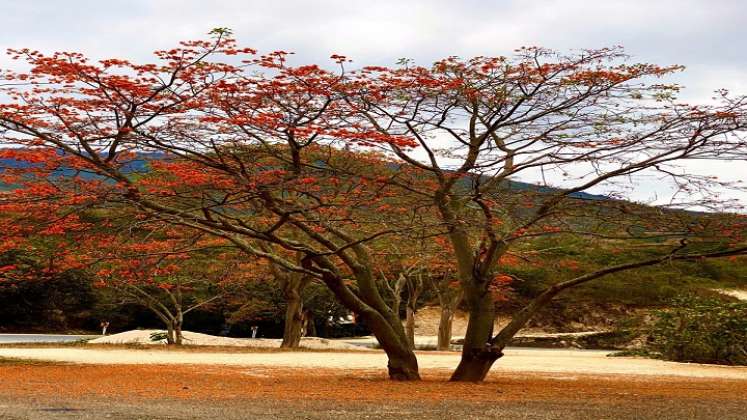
[(516, 360)]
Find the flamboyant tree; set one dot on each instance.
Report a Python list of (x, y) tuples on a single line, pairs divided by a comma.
[(577, 122), (168, 271), (247, 156), (254, 151)]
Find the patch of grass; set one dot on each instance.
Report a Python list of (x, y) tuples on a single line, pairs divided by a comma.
[(13, 361), (635, 353)]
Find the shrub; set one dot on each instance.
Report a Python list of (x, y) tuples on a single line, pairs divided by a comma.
[(703, 330), (158, 336)]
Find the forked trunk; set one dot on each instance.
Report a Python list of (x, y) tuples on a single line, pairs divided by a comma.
[(174, 333), (293, 322), (384, 324), (445, 328)]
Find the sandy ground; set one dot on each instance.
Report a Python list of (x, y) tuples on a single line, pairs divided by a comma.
[(515, 360), (199, 339), (737, 293)]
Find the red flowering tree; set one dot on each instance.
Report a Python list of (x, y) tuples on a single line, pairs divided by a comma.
[(254, 151), (247, 149), (578, 122), (169, 273)]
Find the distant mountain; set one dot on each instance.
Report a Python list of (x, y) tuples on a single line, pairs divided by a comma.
[(141, 165)]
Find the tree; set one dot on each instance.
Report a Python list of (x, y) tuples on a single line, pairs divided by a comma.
[(169, 274), (246, 156), (583, 121), (260, 152), (442, 277), (292, 285)]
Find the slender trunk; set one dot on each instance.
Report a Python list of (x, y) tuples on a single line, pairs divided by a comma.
[(445, 328), (293, 321), (178, 338), (478, 355), (170, 339), (310, 324), (410, 327)]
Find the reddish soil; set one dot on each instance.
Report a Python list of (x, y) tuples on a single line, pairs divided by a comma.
[(137, 382), (42, 391)]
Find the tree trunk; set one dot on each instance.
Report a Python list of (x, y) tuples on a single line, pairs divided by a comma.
[(311, 328), (403, 367), (410, 327), (478, 355), (385, 325), (475, 365), (444, 328), (293, 321), (170, 339), (178, 338)]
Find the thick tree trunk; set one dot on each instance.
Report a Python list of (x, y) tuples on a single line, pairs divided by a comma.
[(475, 365), (403, 367), (293, 321), (385, 325), (478, 355), (444, 328)]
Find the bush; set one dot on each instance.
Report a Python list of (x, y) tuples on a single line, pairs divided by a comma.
[(702, 330), (158, 336)]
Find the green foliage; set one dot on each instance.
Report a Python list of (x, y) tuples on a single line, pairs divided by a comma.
[(44, 301), (158, 336), (703, 330)]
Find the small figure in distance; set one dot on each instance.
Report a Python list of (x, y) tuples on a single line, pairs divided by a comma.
[(104, 326), (254, 331)]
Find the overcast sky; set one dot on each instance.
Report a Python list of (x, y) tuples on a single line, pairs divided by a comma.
[(707, 36)]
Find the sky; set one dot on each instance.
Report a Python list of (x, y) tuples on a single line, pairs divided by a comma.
[(706, 36)]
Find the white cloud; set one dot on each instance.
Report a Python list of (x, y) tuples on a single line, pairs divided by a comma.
[(704, 35)]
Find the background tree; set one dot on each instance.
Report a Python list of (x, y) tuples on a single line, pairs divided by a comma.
[(170, 275)]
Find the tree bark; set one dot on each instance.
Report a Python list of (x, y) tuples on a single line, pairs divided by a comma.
[(410, 326), (444, 328), (178, 338), (384, 324), (448, 299), (478, 355), (170, 340), (475, 364), (309, 326), (293, 321)]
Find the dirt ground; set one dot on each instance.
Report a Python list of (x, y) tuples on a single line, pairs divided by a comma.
[(43, 390)]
